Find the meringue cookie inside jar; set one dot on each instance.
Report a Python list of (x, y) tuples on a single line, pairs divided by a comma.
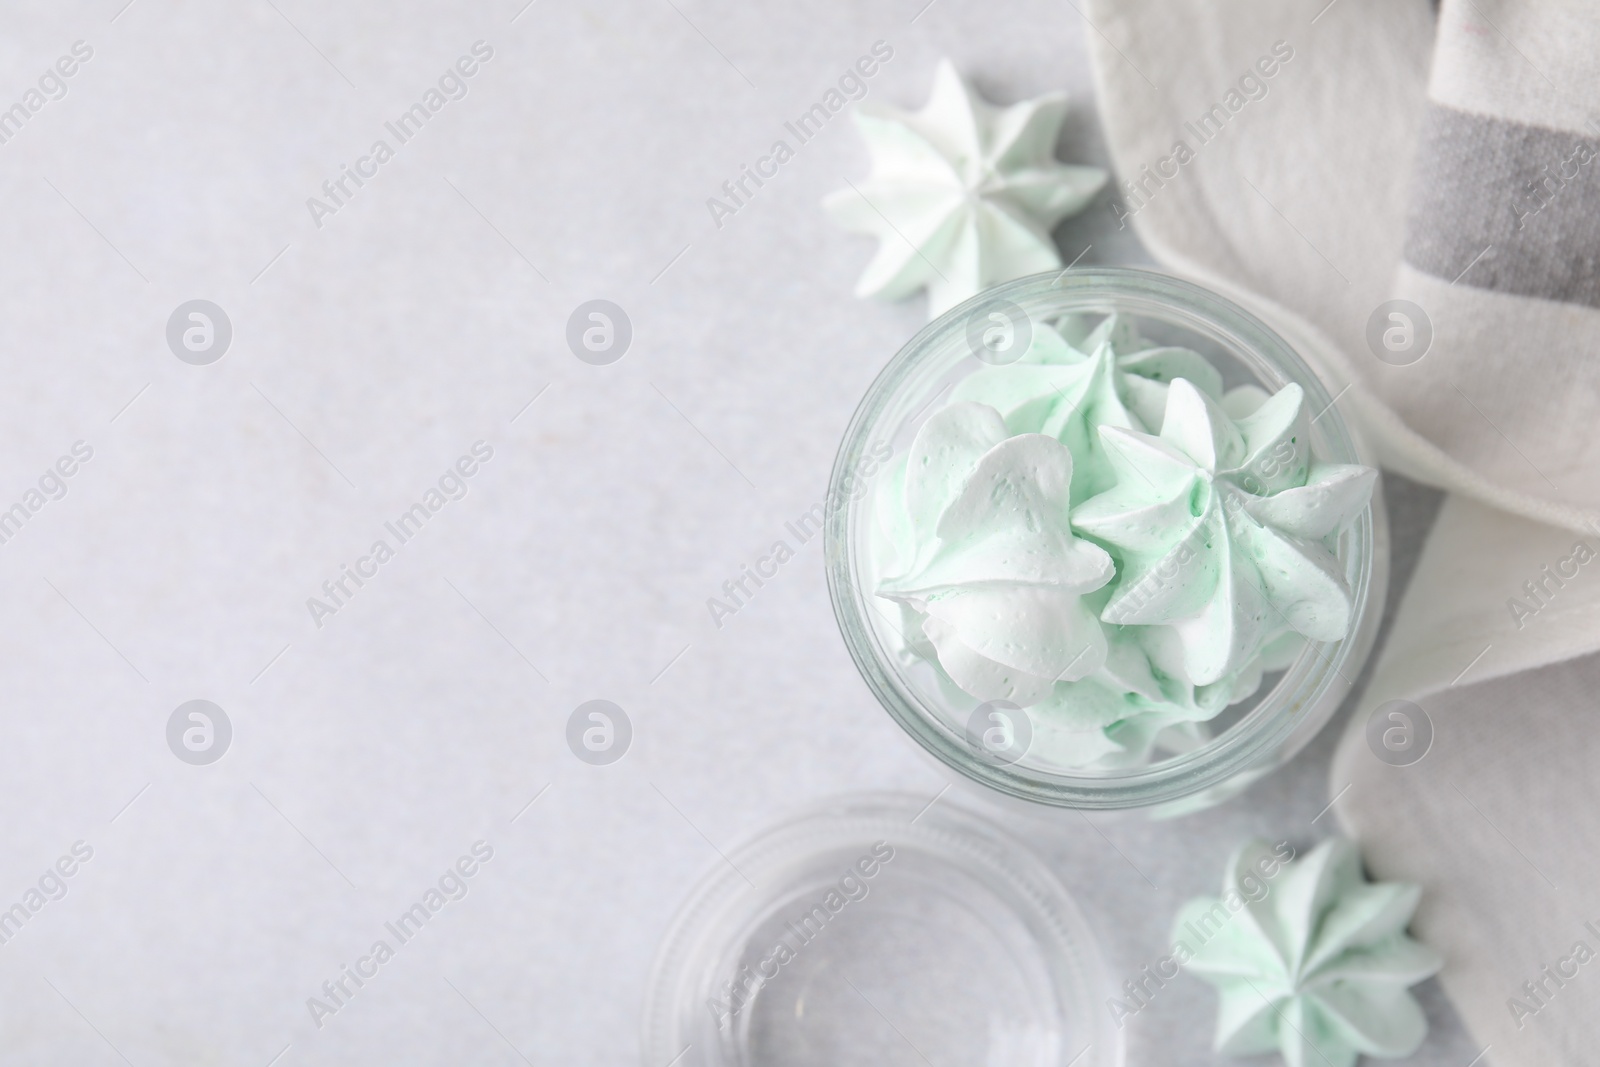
[(1101, 539)]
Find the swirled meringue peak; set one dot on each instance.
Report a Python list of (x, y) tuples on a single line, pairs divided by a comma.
[(1067, 389), (1219, 528), (1310, 959), (993, 566), (1101, 534)]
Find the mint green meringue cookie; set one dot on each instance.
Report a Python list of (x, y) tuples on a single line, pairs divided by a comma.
[(1069, 389), (963, 194), (1311, 960), (1217, 525), (990, 558), (1147, 369)]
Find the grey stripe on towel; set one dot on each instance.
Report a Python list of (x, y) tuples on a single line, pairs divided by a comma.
[(1506, 206)]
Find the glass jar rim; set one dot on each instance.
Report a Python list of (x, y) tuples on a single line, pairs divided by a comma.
[(1305, 687)]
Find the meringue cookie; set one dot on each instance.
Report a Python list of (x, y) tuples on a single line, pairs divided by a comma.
[(1120, 715), (992, 563), (963, 195), (1115, 717), (1313, 962), (1069, 389), (1217, 526), (1147, 369)]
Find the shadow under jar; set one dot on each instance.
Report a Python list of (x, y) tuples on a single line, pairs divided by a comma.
[(1063, 355)]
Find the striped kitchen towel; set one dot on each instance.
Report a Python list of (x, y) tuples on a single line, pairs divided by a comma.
[(1412, 198)]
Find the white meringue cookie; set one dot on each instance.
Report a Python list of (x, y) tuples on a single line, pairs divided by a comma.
[(1147, 369), (993, 564), (1106, 376), (1195, 523), (963, 195)]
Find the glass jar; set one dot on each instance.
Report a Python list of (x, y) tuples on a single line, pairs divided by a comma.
[(1215, 759)]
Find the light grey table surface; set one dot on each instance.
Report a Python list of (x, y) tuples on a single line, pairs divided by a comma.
[(368, 353)]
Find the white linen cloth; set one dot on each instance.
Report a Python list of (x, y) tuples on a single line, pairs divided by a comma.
[(1340, 156)]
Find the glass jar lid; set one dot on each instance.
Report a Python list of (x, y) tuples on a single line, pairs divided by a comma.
[(879, 930)]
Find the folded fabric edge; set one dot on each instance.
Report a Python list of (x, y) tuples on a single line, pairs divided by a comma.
[(1394, 444)]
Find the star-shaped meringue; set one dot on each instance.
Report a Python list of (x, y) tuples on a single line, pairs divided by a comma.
[(1311, 960), (963, 195), (1147, 370), (1105, 376), (1219, 528)]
